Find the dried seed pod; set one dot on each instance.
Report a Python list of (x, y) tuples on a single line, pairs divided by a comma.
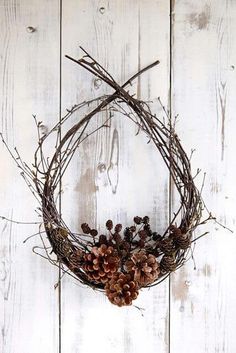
[(102, 239), (109, 224), (128, 234), (85, 228), (118, 228), (132, 229), (93, 232), (121, 289), (145, 219), (117, 238), (138, 220)]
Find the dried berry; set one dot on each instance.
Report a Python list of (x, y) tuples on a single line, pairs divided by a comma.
[(93, 232), (85, 228), (102, 239), (138, 220), (146, 220), (109, 224), (132, 229), (118, 228)]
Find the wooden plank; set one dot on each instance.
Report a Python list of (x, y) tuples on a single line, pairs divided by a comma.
[(116, 175), (203, 306), (29, 85)]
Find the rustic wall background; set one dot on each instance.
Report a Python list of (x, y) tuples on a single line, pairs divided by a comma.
[(117, 175)]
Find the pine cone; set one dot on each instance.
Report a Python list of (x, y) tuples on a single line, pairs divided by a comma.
[(167, 264), (182, 242), (167, 246), (75, 259), (143, 267), (121, 289), (101, 263), (61, 245)]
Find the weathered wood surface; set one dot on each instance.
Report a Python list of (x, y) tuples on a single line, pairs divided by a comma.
[(29, 85), (116, 174)]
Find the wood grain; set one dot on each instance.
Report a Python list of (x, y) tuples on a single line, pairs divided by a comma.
[(202, 306), (29, 84), (111, 177)]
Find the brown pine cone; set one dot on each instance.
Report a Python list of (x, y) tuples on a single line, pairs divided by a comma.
[(121, 289), (167, 264), (61, 245), (101, 263), (167, 246), (143, 267), (182, 242), (75, 259)]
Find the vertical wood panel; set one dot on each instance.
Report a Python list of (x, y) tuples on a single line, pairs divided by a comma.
[(117, 172), (29, 81), (203, 306)]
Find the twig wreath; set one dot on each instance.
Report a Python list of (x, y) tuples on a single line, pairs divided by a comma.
[(123, 261)]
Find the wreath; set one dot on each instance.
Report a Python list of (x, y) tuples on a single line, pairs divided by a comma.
[(120, 261)]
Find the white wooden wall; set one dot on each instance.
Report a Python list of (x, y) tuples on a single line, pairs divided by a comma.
[(118, 175)]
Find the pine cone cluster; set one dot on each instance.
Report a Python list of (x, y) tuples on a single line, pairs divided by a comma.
[(121, 289), (122, 261)]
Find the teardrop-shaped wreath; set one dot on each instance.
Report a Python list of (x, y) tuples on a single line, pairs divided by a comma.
[(123, 261)]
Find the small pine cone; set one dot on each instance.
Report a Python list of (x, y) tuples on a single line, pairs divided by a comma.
[(147, 227), (143, 267), (167, 246), (75, 259), (118, 228), (117, 238), (138, 220), (167, 264), (128, 234), (93, 232), (109, 224), (145, 219), (101, 263), (182, 242), (121, 289), (175, 231), (61, 245), (85, 228), (142, 234), (102, 239)]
